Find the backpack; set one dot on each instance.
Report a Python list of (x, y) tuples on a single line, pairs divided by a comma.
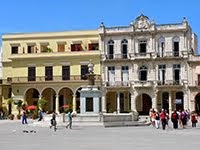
[(174, 116)]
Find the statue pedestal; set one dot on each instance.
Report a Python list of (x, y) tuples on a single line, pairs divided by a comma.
[(90, 100), (91, 79)]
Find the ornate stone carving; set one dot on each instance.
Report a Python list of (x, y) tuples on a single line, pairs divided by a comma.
[(142, 22)]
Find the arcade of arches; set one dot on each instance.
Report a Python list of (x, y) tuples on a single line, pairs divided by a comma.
[(119, 102), (55, 102)]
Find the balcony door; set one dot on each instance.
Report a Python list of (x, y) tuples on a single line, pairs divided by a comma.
[(125, 75), (111, 75), (161, 73)]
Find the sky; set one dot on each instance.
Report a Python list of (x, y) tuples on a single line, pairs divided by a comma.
[(19, 16)]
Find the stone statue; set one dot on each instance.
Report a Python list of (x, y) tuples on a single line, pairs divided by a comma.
[(91, 68)]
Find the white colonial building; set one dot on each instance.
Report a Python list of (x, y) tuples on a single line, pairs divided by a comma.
[(147, 65)]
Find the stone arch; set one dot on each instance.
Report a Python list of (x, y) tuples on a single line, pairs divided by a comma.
[(77, 94), (179, 100), (65, 97), (197, 103), (49, 94), (31, 96), (143, 104)]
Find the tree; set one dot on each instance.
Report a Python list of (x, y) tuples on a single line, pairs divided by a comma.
[(19, 106), (42, 103)]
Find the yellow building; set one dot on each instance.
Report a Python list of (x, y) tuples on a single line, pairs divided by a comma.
[(49, 65)]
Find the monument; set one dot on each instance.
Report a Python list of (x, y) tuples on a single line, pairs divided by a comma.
[(90, 102)]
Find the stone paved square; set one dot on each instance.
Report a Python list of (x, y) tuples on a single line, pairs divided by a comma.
[(96, 138)]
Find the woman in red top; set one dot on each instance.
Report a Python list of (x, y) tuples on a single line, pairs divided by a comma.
[(163, 118)]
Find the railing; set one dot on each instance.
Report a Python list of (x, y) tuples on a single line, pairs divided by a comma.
[(143, 55), (169, 82), (44, 79), (143, 83), (173, 54), (117, 84), (115, 56)]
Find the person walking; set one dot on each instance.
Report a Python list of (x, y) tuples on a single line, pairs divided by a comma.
[(174, 119), (194, 119), (24, 118), (157, 120), (163, 119), (53, 121), (69, 120)]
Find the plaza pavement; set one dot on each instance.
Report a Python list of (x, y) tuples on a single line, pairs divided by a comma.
[(96, 138)]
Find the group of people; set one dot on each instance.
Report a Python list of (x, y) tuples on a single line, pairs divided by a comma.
[(179, 118), (54, 123)]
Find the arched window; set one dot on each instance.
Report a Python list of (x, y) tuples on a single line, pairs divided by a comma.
[(143, 73), (161, 46), (176, 41), (124, 48), (110, 49)]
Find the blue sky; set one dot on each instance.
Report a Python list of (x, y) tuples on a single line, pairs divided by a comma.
[(59, 15)]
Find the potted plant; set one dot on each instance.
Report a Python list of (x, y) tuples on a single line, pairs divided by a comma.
[(11, 117)]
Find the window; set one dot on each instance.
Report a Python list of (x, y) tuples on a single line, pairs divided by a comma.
[(176, 46), (176, 73), (14, 49), (110, 49), (84, 71), (61, 47), (48, 73), (66, 72), (44, 48), (124, 48), (93, 46), (111, 75), (125, 75), (161, 74), (30, 48), (161, 47), (31, 73), (76, 47), (142, 46), (143, 73), (198, 82)]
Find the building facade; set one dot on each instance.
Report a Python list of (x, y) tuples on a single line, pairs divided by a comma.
[(141, 66), (48, 65), (147, 65)]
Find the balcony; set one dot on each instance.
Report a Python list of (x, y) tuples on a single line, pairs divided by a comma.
[(143, 83), (115, 57), (170, 83), (173, 54), (40, 79), (142, 55), (56, 55), (114, 84)]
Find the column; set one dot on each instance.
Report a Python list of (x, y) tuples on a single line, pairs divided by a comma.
[(170, 103), (118, 103), (154, 100), (103, 103), (133, 103), (57, 104), (74, 103), (185, 100)]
